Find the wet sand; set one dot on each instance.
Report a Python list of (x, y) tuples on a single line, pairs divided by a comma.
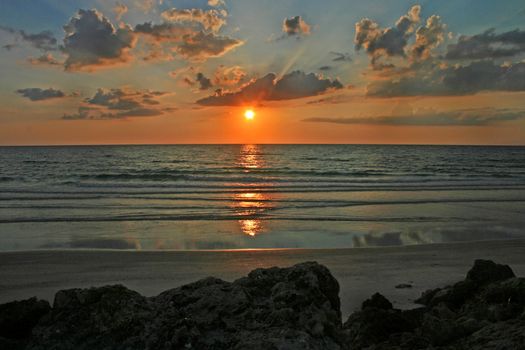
[(360, 272)]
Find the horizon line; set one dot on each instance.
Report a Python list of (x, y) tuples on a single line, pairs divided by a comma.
[(262, 144)]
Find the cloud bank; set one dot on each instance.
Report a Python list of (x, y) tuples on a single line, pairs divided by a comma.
[(294, 85), (38, 94)]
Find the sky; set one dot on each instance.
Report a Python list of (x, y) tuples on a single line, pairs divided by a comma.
[(334, 71)]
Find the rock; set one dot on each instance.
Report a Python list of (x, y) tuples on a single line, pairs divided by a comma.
[(18, 318), (485, 311), (276, 308), (110, 317), (377, 301), (403, 286), (376, 322), (487, 271)]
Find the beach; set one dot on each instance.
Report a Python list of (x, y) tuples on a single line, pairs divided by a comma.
[(360, 272)]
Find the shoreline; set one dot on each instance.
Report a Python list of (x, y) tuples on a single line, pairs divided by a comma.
[(360, 272)]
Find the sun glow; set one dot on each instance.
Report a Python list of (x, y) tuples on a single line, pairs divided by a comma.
[(249, 114)]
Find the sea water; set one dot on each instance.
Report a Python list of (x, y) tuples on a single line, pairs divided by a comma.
[(258, 196)]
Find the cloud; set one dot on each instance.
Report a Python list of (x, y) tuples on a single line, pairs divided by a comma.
[(392, 41), (91, 41), (464, 117), (341, 56), (210, 20), (45, 59), (120, 10), (38, 94), (216, 3), (487, 45), (44, 40), (188, 43), (295, 26), (120, 104), (201, 46), (9, 47), (438, 80), (428, 37), (124, 99), (418, 71), (229, 76), (204, 83), (269, 88)]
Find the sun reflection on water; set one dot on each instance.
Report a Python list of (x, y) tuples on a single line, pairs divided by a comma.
[(251, 202)]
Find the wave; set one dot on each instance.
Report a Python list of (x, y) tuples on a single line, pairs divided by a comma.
[(208, 217), (276, 204)]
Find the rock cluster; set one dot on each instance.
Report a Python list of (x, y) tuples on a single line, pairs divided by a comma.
[(485, 311), (275, 308)]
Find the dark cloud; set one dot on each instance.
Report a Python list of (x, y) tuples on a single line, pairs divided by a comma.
[(392, 41), (465, 117), (38, 94), (204, 83), (487, 45), (9, 47), (91, 41), (474, 77), (268, 88), (124, 99), (119, 104), (295, 26), (44, 40), (341, 56)]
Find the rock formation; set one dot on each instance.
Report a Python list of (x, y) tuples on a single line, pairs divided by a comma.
[(276, 308)]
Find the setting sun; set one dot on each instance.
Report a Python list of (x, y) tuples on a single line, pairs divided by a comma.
[(249, 114)]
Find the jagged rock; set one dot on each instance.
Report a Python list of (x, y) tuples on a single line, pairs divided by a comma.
[(377, 321), (277, 308), (487, 271), (18, 318), (485, 311), (378, 301)]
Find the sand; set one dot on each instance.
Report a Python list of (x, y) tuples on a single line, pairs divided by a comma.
[(360, 272)]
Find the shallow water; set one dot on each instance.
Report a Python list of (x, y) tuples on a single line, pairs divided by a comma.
[(258, 196)]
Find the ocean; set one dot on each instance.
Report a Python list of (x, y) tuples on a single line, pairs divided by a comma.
[(201, 197)]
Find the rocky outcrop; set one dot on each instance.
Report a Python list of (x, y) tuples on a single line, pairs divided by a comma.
[(485, 311), (17, 320), (275, 308)]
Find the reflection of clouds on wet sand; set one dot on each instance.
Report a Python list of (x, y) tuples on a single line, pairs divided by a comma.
[(96, 244), (461, 234)]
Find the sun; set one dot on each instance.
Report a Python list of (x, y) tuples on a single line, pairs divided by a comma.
[(249, 114)]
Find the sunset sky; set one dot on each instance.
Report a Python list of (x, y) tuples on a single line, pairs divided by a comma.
[(335, 71)]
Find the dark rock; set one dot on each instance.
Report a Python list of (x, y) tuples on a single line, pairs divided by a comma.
[(277, 308), (12, 344), (487, 271), (403, 286), (18, 318), (485, 311), (110, 317), (378, 301), (376, 322)]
